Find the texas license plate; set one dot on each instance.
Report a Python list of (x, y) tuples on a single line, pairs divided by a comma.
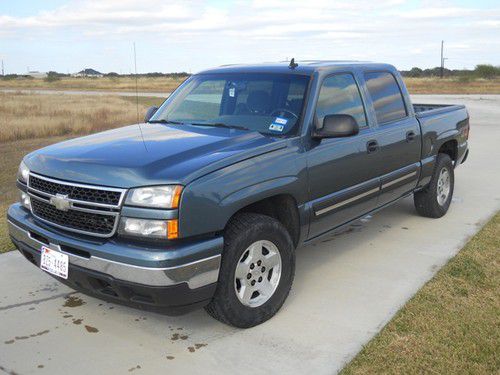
[(54, 262)]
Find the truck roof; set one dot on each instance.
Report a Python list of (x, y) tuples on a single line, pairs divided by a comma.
[(305, 67)]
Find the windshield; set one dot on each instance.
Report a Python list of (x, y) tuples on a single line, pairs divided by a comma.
[(267, 103)]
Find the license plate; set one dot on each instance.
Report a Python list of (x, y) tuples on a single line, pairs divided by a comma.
[(54, 262)]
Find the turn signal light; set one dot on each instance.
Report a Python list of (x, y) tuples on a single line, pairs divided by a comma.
[(172, 229)]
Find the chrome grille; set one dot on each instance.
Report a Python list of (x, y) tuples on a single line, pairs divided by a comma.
[(88, 209), (76, 220), (84, 194)]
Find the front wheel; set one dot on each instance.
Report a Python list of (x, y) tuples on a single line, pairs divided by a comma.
[(257, 270), (435, 199)]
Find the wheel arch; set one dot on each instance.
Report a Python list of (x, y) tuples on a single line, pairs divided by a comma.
[(282, 207), (450, 148)]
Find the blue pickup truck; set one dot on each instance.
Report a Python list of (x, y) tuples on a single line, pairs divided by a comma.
[(204, 203)]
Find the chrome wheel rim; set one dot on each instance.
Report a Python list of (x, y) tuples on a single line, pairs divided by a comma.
[(443, 186), (258, 273)]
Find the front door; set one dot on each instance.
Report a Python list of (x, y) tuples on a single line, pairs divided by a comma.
[(343, 177)]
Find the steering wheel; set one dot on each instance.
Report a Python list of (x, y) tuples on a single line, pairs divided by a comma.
[(279, 111)]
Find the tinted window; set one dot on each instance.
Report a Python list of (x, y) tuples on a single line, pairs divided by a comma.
[(339, 94), (386, 96), (267, 103)]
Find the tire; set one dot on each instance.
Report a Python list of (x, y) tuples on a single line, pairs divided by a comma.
[(430, 202), (230, 303)]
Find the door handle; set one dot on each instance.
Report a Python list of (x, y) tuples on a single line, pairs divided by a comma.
[(410, 136), (371, 146)]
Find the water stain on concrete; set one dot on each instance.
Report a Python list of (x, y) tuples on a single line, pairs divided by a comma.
[(25, 337), (173, 329), (134, 368), (72, 301), (194, 348), (11, 372), (91, 329), (40, 366), (77, 321), (67, 316), (177, 336)]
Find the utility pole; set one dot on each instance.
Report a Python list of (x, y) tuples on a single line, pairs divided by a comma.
[(3, 71), (442, 59)]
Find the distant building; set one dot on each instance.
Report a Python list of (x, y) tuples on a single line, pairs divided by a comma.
[(88, 73), (36, 74)]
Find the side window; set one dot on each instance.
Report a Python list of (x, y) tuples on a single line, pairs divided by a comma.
[(339, 94), (386, 96)]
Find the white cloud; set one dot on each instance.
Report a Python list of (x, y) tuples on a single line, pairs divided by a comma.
[(366, 29)]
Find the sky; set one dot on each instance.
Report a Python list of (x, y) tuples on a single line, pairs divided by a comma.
[(191, 35)]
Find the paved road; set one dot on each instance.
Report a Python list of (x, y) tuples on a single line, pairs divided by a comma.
[(346, 289)]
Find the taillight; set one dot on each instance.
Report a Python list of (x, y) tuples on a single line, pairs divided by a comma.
[(466, 131)]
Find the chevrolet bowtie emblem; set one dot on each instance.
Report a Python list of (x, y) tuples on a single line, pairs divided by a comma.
[(61, 202)]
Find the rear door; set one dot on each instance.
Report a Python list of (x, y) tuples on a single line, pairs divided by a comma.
[(343, 180), (397, 136)]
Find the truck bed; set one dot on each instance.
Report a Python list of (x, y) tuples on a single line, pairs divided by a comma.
[(424, 110)]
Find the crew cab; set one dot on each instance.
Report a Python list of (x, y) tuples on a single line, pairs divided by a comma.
[(204, 203)]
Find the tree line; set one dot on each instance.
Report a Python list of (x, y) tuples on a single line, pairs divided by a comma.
[(486, 71)]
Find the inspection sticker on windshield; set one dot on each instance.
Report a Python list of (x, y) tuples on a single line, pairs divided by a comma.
[(54, 262), (276, 127), (280, 120), (232, 91)]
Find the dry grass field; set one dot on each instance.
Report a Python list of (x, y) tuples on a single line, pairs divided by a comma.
[(160, 84), (26, 116), (29, 122), (452, 85)]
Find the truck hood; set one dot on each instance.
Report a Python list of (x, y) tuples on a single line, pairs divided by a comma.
[(149, 154)]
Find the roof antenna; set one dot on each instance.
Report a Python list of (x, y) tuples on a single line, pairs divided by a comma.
[(293, 64)]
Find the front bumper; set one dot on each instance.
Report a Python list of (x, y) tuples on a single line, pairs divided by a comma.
[(171, 278)]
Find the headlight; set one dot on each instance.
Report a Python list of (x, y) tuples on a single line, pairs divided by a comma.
[(162, 229), (155, 196), (23, 173)]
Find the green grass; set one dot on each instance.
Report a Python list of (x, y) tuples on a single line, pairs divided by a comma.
[(452, 325)]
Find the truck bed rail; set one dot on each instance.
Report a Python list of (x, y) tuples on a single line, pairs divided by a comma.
[(424, 110)]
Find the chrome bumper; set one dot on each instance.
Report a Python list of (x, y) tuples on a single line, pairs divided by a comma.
[(195, 274)]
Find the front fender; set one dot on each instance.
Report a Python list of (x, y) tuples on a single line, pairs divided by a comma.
[(208, 203)]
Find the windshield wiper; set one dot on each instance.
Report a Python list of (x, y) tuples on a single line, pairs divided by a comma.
[(219, 125), (165, 122)]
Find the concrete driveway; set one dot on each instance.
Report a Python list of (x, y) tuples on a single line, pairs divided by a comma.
[(346, 289)]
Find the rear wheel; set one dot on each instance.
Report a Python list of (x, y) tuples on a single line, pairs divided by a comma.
[(435, 199), (257, 270)]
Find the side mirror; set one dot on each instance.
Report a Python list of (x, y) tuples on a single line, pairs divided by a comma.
[(149, 113), (336, 126)]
